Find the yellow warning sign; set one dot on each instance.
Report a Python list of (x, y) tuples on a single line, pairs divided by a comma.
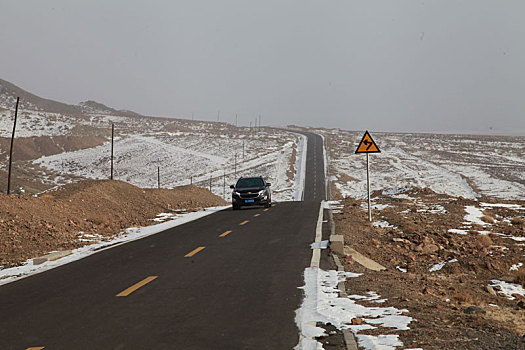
[(367, 145)]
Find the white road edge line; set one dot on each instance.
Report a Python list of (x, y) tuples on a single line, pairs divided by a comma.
[(316, 255)]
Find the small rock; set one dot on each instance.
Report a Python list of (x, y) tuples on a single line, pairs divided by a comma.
[(521, 304), (356, 321), (375, 242), (471, 310), (429, 248), (491, 290)]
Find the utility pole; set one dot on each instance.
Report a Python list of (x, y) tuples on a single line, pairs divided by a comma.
[(224, 184), (11, 149), (158, 177), (112, 147), (242, 149), (235, 167), (235, 119), (259, 122), (218, 115)]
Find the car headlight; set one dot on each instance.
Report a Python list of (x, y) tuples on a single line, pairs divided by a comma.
[(261, 193), (235, 193)]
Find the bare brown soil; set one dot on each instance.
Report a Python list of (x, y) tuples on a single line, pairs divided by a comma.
[(33, 226), (28, 148), (443, 303)]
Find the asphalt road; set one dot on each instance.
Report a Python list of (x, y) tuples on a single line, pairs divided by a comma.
[(315, 188), (227, 281)]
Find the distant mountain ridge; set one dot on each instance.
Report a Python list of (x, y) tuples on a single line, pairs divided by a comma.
[(9, 92)]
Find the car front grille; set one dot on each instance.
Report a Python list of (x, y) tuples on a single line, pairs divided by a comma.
[(249, 195)]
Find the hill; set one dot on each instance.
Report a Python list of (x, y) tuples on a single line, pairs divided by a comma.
[(9, 92)]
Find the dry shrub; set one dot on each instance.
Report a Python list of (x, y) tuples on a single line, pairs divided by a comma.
[(520, 277), (488, 219), (409, 228), (484, 240), (510, 319), (517, 220), (473, 232), (462, 297)]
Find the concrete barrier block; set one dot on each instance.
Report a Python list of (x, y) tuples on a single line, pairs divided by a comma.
[(51, 256), (363, 260), (337, 243)]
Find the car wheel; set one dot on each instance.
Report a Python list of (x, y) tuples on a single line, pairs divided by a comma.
[(235, 207)]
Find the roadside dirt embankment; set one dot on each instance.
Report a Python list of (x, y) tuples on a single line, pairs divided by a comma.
[(33, 226), (29, 148), (455, 264)]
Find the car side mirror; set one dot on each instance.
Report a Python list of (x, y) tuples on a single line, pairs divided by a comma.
[(268, 184), (232, 186)]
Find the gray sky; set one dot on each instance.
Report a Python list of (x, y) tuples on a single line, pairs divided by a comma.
[(424, 66)]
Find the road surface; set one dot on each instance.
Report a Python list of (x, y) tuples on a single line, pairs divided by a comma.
[(227, 281)]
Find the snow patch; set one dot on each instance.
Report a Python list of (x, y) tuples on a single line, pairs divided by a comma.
[(440, 265), (474, 216), (323, 304), (508, 289)]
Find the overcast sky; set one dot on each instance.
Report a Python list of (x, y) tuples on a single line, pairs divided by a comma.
[(423, 66)]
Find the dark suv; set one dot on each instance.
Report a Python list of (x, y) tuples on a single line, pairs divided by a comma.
[(251, 191)]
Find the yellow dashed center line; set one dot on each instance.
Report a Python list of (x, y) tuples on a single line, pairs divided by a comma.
[(244, 222), (266, 209), (193, 252), (36, 348), (257, 215), (136, 286), (225, 233)]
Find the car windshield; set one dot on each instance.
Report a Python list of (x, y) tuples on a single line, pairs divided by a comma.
[(250, 182)]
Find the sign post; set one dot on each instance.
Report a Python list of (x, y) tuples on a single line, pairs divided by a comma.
[(367, 145)]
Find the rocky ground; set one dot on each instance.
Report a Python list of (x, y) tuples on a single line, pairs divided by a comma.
[(58, 220), (456, 304)]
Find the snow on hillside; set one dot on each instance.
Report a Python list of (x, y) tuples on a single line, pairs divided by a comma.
[(184, 157), (458, 165), (186, 151)]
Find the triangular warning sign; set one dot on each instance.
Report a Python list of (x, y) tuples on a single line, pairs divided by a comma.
[(367, 145)]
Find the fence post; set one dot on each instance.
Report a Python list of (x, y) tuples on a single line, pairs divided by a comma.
[(210, 183), (11, 149), (158, 177)]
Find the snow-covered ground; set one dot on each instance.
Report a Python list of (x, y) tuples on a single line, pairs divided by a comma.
[(184, 158), (185, 151), (458, 165)]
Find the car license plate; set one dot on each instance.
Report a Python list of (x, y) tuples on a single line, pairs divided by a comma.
[(249, 201)]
